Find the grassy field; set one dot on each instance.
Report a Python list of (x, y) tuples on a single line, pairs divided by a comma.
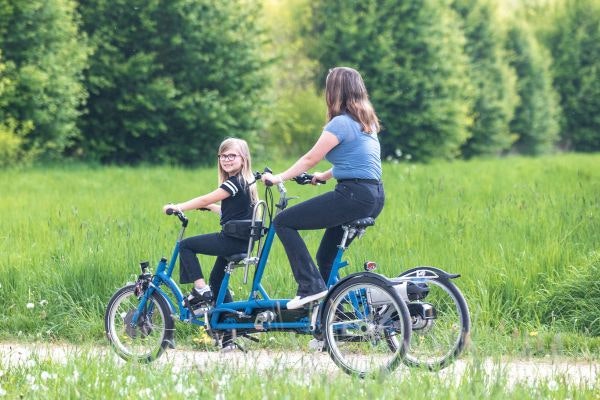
[(100, 377), (523, 233)]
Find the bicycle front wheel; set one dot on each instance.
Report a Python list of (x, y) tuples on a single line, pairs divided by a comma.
[(360, 317), (440, 321), (146, 339)]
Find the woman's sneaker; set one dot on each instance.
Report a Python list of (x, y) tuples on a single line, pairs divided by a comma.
[(300, 301)]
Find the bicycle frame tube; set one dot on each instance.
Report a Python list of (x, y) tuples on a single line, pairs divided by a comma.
[(163, 276), (262, 263), (334, 275), (265, 302)]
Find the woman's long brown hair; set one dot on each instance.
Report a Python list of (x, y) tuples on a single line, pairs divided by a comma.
[(345, 92)]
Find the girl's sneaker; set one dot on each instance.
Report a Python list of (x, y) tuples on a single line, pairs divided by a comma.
[(199, 297)]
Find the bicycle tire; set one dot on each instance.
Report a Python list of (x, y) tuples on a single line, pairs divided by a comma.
[(359, 317), (436, 343), (152, 334)]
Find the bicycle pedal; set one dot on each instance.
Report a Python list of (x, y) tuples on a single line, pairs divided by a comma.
[(253, 338)]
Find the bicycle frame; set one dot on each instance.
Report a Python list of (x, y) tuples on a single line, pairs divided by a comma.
[(265, 302)]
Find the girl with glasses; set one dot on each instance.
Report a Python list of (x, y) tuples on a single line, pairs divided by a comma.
[(236, 200)]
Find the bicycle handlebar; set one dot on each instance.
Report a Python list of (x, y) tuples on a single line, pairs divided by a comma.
[(179, 214), (302, 179), (305, 179)]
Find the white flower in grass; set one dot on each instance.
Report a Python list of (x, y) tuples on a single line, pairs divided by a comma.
[(553, 385), (2, 392), (179, 388), (30, 379), (30, 363), (1, 373), (43, 302), (130, 379), (45, 375), (29, 306)]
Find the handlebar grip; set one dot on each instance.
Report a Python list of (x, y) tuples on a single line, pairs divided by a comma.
[(268, 183), (170, 211)]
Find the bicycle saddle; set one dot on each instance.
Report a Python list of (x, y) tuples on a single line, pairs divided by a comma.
[(361, 223), (236, 258)]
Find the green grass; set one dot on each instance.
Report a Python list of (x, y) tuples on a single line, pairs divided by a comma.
[(520, 231), (92, 376)]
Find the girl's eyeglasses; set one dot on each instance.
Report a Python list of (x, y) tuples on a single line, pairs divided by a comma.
[(227, 157)]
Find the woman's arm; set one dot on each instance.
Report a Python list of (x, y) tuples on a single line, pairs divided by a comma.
[(326, 142)]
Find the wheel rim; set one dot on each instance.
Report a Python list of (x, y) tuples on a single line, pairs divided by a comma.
[(357, 333), (436, 342), (144, 340)]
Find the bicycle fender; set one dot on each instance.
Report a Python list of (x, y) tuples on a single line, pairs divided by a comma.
[(437, 271), (167, 298)]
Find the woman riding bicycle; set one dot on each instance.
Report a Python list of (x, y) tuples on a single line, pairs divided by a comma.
[(349, 141)]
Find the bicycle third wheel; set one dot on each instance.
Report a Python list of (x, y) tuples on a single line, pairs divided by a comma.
[(440, 319), (359, 318), (146, 340)]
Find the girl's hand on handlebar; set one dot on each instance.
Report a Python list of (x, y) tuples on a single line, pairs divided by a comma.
[(170, 208)]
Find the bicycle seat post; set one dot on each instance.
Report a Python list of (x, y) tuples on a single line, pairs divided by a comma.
[(347, 234)]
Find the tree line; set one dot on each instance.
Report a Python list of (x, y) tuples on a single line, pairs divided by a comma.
[(145, 81)]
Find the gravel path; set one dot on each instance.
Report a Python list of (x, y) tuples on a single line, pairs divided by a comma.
[(531, 370)]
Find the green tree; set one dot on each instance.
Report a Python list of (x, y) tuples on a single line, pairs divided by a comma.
[(296, 110), (411, 57), (537, 118), (170, 79), (572, 33), (44, 57), (11, 132), (495, 96)]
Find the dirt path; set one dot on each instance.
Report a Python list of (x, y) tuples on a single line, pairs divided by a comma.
[(530, 371)]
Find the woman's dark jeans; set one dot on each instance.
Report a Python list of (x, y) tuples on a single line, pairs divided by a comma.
[(212, 244), (349, 201)]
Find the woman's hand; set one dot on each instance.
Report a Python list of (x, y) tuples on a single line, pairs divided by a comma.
[(319, 177)]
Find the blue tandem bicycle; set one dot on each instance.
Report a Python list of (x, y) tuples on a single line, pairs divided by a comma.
[(369, 323)]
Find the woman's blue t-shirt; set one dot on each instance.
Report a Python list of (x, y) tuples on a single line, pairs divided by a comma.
[(358, 155)]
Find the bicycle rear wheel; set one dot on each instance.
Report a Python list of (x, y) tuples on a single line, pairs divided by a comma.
[(440, 321), (360, 317), (145, 340)]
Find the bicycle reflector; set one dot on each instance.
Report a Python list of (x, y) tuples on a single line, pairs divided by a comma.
[(370, 266)]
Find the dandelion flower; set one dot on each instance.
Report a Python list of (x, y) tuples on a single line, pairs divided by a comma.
[(29, 306)]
